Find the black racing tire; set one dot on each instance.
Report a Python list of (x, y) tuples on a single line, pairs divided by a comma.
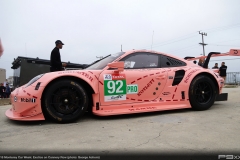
[(64, 101), (202, 93)]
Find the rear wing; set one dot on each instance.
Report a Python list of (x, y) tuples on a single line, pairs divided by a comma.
[(232, 52)]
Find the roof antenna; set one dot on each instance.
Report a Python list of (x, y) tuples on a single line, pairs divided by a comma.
[(121, 48), (152, 39)]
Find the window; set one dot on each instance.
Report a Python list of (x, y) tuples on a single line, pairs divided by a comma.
[(141, 60), (100, 64), (171, 62)]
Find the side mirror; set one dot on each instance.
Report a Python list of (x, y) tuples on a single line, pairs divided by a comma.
[(118, 65)]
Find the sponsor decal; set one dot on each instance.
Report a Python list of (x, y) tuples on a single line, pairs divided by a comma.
[(15, 98), (115, 87), (132, 89), (189, 75), (117, 97), (166, 93), (142, 108), (146, 87), (66, 72), (86, 75), (32, 100)]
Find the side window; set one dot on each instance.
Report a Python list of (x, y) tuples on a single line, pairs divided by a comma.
[(141, 60), (171, 62)]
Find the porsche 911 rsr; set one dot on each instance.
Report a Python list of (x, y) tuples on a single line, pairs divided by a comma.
[(123, 83)]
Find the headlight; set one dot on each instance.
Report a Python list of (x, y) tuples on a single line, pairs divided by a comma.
[(33, 80)]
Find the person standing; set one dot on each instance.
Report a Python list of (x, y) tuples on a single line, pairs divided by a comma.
[(7, 91), (216, 66), (55, 58), (223, 71), (201, 62)]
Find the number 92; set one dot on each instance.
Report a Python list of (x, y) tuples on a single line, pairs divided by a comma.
[(112, 85)]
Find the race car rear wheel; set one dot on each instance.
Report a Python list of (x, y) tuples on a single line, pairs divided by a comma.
[(202, 93), (65, 101)]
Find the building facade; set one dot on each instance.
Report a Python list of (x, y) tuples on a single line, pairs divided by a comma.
[(2, 75)]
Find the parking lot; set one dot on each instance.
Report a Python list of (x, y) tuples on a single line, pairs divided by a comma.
[(177, 131)]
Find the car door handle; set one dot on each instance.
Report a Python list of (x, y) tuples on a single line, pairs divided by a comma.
[(161, 77)]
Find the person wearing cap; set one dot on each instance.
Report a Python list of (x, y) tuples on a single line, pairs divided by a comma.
[(55, 58)]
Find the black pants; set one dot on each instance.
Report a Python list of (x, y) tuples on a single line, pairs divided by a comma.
[(2, 95), (7, 95)]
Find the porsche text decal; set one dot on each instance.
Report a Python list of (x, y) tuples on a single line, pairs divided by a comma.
[(86, 75), (189, 75), (146, 87)]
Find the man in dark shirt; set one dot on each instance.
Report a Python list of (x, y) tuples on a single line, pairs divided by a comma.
[(216, 66), (55, 58), (223, 71)]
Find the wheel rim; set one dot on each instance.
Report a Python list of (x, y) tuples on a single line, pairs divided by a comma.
[(66, 100), (203, 92)]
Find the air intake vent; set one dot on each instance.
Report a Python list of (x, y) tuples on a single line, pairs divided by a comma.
[(178, 77), (171, 62)]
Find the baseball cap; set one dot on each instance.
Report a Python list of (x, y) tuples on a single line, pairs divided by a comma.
[(59, 42)]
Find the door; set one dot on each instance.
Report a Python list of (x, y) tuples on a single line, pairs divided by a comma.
[(141, 81)]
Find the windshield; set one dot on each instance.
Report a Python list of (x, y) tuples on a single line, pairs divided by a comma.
[(103, 62)]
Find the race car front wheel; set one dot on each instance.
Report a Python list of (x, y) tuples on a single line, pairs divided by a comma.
[(65, 101), (202, 93)]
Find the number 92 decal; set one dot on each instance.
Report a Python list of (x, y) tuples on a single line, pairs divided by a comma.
[(114, 87)]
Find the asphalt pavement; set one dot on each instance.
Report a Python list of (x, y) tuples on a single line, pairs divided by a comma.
[(177, 131)]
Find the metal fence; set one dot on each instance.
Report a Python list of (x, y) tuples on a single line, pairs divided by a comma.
[(233, 78)]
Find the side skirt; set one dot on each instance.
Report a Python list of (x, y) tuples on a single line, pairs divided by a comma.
[(141, 107)]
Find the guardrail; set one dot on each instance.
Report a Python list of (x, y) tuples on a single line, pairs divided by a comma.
[(233, 78)]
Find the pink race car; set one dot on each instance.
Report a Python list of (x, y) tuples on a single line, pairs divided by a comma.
[(122, 83)]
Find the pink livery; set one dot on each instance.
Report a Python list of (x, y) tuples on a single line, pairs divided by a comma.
[(123, 83)]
